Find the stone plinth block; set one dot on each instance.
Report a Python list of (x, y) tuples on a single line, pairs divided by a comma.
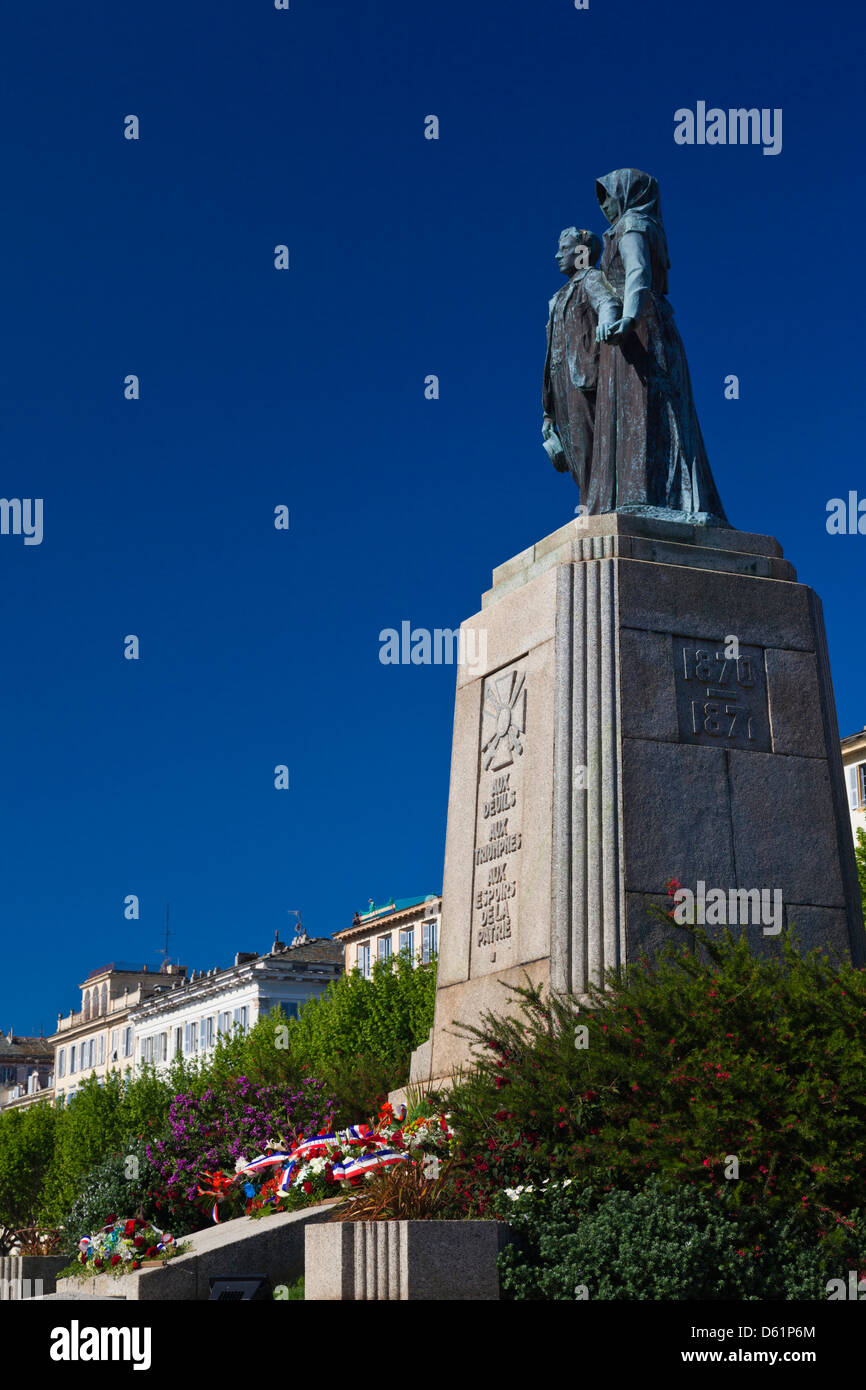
[(29, 1276), (403, 1260), (653, 701)]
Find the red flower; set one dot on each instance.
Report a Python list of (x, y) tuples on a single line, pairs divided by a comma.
[(150, 1252), (308, 1187), (115, 1260), (129, 1228), (111, 1220), (97, 1264), (136, 1264), (138, 1242)]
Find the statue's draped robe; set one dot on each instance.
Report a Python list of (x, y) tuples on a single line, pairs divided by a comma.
[(571, 367), (647, 448)]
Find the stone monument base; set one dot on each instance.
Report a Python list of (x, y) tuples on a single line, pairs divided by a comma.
[(653, 701)]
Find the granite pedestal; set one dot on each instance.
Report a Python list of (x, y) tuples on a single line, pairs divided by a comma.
[(655, 701)]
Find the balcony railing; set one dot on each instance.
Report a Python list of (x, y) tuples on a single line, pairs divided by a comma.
[(118, 1004)]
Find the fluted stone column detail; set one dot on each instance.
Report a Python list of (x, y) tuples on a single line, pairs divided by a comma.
[(587, 922)]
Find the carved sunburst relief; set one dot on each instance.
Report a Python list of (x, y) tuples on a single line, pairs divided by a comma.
[(503, 720)]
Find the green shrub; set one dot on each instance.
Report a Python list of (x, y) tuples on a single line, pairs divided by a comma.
[(26, 1152), (126, 1184), (656, 1245), (689, 1062), (357, 1037), (290, 1292), (860, 856)]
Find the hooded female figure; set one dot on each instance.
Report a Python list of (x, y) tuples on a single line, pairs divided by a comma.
[(648, 453)]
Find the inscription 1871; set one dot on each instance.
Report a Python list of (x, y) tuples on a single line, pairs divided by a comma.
[(721, 700)]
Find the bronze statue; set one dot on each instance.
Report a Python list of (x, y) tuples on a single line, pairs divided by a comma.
[(648, 455), (584, 305)]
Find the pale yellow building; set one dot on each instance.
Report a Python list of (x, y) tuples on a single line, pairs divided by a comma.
[(403, 924), (100, 1037), (854, 763)]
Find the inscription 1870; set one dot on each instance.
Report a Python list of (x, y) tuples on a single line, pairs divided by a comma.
[(721, 698)]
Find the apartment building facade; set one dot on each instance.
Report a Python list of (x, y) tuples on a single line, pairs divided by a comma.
[(99, 1037), (409, 925), (185, 1018), (26, 1070)]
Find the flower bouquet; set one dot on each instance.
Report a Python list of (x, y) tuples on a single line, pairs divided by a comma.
[(123, 1245)]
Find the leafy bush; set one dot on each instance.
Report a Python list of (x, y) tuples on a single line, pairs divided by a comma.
[(651, 1244), (213, 1130), (127, 1184), (688, 1061), (860, 856), (290, 1292), (26, 1150), (103, 1117), (358, 1036)]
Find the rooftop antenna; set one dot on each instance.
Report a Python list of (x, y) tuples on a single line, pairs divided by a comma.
[(167, 935)]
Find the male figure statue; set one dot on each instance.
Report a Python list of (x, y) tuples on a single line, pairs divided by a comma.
[(582, 306)]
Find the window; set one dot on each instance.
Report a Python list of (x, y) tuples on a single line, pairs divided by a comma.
[(127, 1042), (193, 1037), (385, 947), (363, 960), (100, 1052), (240, 1017), (32, 1083), (857, 786), (186, 1037), (178, 1040), (162, 1053), (72, 1059), (407, 941), (61, 1062), (428, 940), (210, 1031), (114, 1033)]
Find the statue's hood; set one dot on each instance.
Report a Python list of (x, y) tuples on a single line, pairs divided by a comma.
[(637, 195), (633, 190)]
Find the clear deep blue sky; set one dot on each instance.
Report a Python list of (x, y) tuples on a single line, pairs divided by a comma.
[(306, 388)]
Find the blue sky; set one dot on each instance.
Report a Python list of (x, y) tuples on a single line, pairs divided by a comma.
[(306, 388)]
